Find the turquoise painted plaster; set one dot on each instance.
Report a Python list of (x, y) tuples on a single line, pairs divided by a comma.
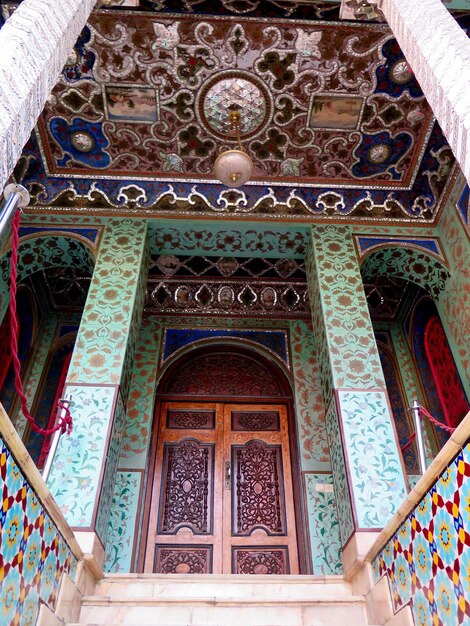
[(74, 477), (323, 525), (105, 344), (374, 464), (122, 523)]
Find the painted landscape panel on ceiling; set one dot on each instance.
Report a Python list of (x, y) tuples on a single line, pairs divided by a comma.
[(148, 96)]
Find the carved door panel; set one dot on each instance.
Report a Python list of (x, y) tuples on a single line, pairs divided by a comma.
[(259, 525), (222, 493), (184, 536)]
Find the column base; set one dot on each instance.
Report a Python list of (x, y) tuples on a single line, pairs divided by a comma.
[(93, 552), (355, 551)]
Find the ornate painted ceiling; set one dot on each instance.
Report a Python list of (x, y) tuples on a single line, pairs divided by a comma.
[(332, 116)]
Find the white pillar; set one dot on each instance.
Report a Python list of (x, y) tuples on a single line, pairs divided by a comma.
[(438, 51), (34, 45)]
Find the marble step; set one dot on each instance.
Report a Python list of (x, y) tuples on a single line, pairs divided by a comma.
[(222, 600), (280, 588), (332, 613)]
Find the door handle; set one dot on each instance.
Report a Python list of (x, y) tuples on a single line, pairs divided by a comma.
[(228, 475)]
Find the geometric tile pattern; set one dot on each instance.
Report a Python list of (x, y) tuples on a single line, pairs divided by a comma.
[(33, 554), (427, 561), (325, 543)]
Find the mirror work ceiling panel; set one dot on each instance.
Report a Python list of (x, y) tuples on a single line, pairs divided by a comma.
[(332, 116)]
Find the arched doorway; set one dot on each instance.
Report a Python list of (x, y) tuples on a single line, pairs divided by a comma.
[(222, 499)]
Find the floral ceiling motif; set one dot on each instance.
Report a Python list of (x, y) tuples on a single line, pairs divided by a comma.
[(146, 97), (331, 113)]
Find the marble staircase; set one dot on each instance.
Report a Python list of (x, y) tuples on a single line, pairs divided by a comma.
[(222, 600)]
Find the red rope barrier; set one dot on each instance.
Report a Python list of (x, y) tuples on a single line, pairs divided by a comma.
[(408, 443), (434, 421), (64, 423)]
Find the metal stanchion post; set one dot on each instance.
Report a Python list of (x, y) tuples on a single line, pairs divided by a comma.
[(17, 197), (55, 441), (419, 437)]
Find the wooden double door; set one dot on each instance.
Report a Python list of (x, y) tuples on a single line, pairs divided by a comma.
[(222, 491)]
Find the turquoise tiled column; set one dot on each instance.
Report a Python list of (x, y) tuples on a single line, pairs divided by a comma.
[(367, 470), (83, 473)]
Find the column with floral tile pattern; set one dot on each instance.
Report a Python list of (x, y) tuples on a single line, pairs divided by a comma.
[(367, 468), (83, 472)]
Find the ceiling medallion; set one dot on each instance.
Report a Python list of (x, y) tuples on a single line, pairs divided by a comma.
[(237, 91)]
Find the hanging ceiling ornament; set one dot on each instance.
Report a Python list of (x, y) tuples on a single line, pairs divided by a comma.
[(234, 167)]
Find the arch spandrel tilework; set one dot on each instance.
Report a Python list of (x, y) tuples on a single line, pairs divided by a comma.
[(42, 252), (411, 264)]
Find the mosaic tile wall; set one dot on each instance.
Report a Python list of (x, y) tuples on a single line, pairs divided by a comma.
[(427, 561), (34, 555), (362, 441), (313, 447)]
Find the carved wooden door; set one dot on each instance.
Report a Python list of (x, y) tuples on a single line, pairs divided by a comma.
[(222, 493)]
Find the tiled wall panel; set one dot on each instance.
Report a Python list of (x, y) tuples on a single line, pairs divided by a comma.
[(34, 555)]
